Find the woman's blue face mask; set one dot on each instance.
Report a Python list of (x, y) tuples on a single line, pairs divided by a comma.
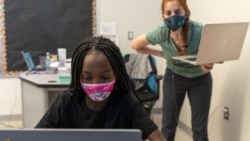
[(175, 22)]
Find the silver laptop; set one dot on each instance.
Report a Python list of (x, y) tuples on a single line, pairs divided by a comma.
[(219, 42), (70, 135)]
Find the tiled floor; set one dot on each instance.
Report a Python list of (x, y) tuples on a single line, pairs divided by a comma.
[(180, 134)]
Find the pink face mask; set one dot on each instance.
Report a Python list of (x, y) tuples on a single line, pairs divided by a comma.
[(98, 92)]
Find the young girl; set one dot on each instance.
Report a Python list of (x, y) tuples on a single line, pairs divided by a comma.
[(100, 94)]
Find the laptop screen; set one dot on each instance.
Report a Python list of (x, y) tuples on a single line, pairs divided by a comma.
[(28, 60), (70, 135)]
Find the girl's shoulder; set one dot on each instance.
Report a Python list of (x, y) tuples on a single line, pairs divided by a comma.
[(157, 34), (162, 28), (196, 25), (129, 98), (65, 97), (196, 28)]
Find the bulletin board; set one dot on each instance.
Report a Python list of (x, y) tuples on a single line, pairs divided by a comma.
[(41, 26)]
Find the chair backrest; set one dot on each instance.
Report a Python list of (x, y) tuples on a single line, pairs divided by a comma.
[(148, 86), (143, 73)]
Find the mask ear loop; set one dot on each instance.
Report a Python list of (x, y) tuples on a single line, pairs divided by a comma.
[(174, 92)]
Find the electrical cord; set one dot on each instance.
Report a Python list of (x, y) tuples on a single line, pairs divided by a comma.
[(14, 105), (6, 125), (212, 114), (174, 95), (11, 112)]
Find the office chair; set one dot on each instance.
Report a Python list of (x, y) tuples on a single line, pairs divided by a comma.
[(142, 71)]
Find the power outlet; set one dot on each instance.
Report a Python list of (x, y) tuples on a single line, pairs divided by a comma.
[(226, 113), (130, 35)]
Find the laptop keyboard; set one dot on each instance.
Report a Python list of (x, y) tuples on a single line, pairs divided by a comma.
[(191, 59)]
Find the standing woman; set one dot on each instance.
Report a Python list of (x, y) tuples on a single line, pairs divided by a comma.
[(180, 36)]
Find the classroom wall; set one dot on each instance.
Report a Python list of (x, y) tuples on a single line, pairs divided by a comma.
[(231, 87), (137, 16), (231, 80)]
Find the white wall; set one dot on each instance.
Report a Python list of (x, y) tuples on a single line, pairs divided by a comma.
[(10, 93), (231, 79), (137, 16), (231, 87)]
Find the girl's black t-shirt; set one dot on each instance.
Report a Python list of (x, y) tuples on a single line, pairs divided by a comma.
[(121, 111)]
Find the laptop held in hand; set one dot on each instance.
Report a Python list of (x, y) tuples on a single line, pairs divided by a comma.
[(219, 42)]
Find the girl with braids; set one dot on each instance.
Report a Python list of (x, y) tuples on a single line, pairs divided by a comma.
[(179, 36), (100, 94)]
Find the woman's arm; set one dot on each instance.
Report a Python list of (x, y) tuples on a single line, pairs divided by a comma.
[(140, 43)]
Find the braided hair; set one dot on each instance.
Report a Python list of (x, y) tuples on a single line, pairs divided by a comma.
[(123, 83)]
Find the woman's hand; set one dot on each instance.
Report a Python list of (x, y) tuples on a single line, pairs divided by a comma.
[(156, 136), (208, 67)]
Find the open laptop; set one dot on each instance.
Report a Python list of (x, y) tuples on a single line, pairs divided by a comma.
[(70, 135), (34, 69), (219, 42)]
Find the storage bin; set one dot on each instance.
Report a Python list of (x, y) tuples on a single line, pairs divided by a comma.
[(64, 78)]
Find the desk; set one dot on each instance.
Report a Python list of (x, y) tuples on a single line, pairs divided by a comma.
[(38, 93)]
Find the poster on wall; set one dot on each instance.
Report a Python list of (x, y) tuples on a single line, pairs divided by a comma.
[(108, 30)]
